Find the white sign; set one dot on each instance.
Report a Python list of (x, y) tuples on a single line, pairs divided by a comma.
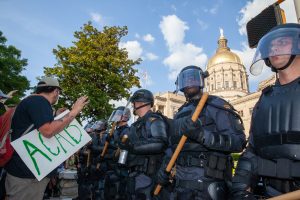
[(42, 155)]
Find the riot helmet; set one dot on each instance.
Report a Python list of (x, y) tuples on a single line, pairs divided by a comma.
[(282, 40), (88, 127), (191, 77), (100, 126), (142, 95), (121, 114)]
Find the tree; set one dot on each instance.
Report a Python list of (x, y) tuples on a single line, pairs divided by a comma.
[(11, 66), (95, 66)]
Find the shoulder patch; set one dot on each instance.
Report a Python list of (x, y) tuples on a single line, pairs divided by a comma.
[(227, 105), (151, 119)]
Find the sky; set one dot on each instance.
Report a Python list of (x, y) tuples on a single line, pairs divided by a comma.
[(167, 34)]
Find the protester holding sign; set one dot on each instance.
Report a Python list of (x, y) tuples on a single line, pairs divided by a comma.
[(35, 112)]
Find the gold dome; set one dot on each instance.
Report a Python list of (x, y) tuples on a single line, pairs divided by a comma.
[(223, 54)]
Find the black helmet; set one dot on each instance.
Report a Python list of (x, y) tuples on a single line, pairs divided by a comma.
[(100, 125), (142, 95), (190, 76), (264, 47), (122, 113), (88, 127)]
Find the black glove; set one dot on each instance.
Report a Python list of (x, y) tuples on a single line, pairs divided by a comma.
[(192, 130), (126, 145), (163, 177)]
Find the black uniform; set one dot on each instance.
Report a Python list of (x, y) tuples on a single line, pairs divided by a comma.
[(147, 143), (204, 165), (272, 158)]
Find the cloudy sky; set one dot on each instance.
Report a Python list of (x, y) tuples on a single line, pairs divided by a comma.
[(167, 35)]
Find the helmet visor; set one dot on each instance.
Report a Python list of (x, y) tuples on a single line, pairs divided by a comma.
[(280, 42), (189, 78)]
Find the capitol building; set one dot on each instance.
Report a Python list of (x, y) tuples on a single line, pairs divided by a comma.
[(227, 79)]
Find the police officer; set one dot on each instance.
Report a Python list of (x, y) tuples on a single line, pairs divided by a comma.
[(204, 166), (115, 187), (97, 169), (271, 159), (146, 144)]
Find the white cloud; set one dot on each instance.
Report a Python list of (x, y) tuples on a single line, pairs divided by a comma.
[(96, 17), (181, 54), (134, 49), (203, 25), (137, 35), (148, 38), (213, 10), (151, 56), (251, 9)]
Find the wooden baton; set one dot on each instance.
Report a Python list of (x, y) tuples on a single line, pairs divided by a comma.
[(106, 142), (183, 139)]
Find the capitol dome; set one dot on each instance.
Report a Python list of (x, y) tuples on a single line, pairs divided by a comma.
[(223, 54), (227, 74)]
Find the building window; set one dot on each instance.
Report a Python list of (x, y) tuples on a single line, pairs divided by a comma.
[(226, 84), (211, 78), (226, 74), (161, 109), (218, 85), (241, 113), (234, 84), (212, 86), (250, 111)]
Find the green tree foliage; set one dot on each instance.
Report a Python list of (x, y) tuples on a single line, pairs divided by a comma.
[(95, 66), (11, 66)]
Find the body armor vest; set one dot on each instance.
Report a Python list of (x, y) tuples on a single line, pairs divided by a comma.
[(276, 122)]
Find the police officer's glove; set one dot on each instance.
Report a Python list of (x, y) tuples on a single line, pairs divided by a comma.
[(193, 130), (108, 138), (126, 145), (163, 177)]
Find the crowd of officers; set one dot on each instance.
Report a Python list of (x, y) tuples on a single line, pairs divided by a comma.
[(137, 156)]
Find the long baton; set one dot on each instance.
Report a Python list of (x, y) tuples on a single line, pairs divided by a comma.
[(288, 196), (106, 142), (183, 139)]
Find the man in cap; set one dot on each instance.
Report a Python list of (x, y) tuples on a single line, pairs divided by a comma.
[(35, 112), (272, 158)]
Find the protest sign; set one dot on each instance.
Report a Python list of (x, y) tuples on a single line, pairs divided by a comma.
[(42, 155)]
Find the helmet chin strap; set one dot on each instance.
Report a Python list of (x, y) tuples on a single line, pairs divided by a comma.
[(268, 63), (135, 109)]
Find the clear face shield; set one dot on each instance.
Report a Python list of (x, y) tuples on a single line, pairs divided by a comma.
[(275, 49), (189, 78)]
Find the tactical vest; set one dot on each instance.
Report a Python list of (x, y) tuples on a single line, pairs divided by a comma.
[(148, 164), (276, 122)]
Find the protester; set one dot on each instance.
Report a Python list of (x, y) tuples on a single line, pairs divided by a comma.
[(35, 112)]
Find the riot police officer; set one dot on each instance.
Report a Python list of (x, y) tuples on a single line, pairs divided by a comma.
[(90, 176), (146, 144), (115, 187), (204, 166), (271, 160)]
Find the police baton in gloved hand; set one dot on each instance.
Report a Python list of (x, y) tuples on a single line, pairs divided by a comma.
[(288, 196), (183, 139), (124, 139), (111, 132)]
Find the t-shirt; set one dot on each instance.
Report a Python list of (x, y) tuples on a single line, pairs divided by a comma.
[(35, 110)]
